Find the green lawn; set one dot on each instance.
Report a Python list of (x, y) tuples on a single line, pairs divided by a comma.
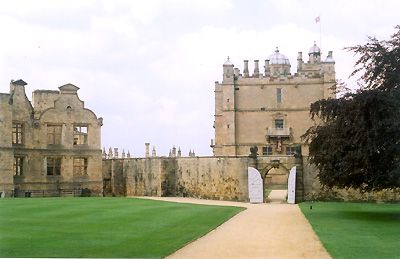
[(356, 230), (102, 227)]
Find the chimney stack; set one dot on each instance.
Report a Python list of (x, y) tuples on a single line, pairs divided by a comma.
[(246, 68), (147, 154), (256, 69), (266, 67), (299, 61)]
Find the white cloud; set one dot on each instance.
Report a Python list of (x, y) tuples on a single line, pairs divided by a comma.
[(148, 67), (24, 7), (143, 11), (122, 25)]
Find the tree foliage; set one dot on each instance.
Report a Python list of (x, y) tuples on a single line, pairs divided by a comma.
[(358, 142)]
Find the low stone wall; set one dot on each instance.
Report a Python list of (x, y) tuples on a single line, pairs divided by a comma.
[(315, 191), (350, 194)]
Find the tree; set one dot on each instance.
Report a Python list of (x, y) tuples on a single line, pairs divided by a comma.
[(357, 143)]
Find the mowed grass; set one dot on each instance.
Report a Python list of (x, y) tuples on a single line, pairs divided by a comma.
[(102, 227), (356, 230)]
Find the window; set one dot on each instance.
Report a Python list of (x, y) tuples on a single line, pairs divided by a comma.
[(80, 166), (267, 151), (107, 184), (290, 150), (54, 134), (18, 165), (17, 133), (279, 95), (53, 165), (80, 135), (279, 124)]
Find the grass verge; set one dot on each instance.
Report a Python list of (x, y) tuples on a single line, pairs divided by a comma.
[(356, 230), (102, 227)]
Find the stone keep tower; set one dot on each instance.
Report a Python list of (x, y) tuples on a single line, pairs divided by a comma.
[(269, 109)]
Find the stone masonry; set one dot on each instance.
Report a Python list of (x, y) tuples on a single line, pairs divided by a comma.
[(50, 148), (269, 109)]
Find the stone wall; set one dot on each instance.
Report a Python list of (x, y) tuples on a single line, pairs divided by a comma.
[(212, 178), (6, 153), (27, 154), (314, 190), (220, 178), (268, 109), (205, 177)]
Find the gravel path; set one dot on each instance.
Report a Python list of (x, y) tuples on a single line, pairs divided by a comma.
[(261, 231)]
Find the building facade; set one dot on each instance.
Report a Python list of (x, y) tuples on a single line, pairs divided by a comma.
[(269, 109), (50, 147)]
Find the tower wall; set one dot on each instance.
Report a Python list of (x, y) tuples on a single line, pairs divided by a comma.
[(250, 109)]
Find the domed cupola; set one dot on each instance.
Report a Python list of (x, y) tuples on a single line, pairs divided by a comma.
[(278, 58), (277, 64), (314, 54), (314, 49), (228, 62)]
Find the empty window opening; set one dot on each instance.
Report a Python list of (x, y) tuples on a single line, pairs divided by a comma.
[(18, 165), (80, 166), (17, 133), (54, 134), (80, 135), (53, 165)]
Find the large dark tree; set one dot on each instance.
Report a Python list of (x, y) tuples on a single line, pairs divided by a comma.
[(357, 141)]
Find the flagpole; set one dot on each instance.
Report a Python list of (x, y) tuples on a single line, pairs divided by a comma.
[(320, 34)]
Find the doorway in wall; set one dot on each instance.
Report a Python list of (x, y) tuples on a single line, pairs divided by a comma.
[(275, 185)]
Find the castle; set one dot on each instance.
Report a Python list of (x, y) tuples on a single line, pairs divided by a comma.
[(269, 109), (52, 148)]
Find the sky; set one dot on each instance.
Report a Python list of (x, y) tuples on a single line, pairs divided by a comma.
[(148, 67)]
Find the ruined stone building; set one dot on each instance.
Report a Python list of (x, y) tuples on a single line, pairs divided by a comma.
[(269, 109), (50, 147)]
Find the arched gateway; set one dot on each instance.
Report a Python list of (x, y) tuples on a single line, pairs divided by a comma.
[(275, 180)]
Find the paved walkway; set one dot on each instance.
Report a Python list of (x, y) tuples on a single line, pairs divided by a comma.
[(278, 196), (261, 231)]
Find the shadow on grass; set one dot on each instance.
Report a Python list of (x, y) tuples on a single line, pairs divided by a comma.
[(377, 216)]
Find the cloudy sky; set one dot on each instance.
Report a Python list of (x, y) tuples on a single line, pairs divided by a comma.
[(148, 67)]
